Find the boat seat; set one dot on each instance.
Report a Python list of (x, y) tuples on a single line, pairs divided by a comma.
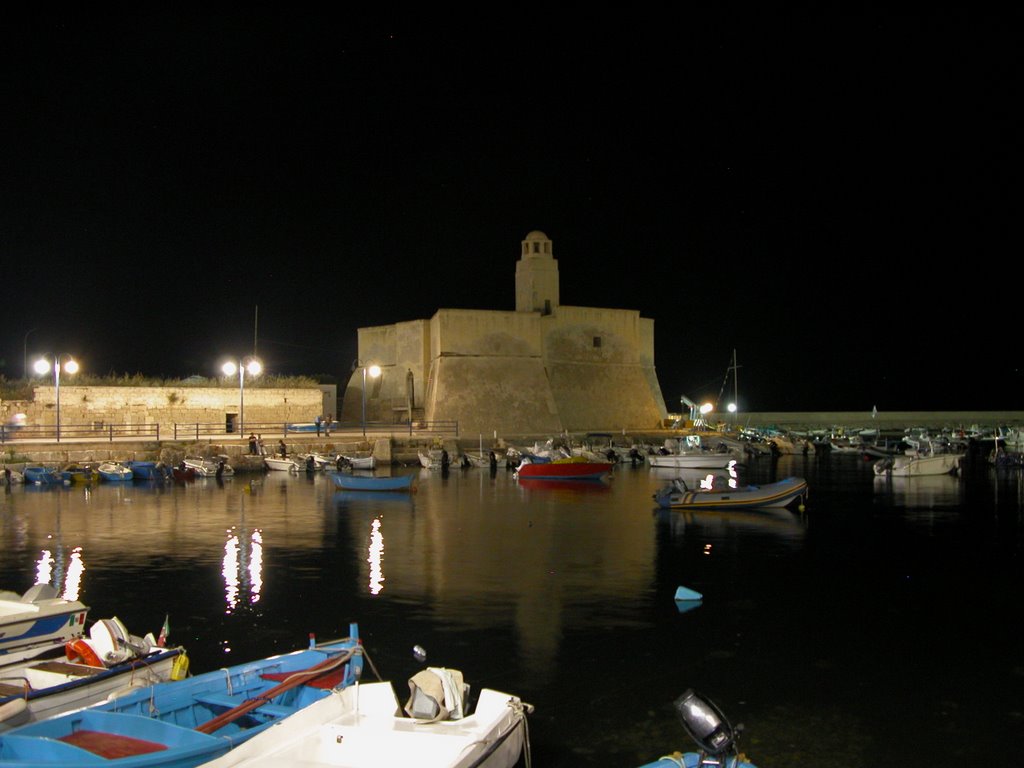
[(230, 702), (7, 689)]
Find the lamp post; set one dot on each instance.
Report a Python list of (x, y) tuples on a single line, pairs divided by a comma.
[(24, 360), (43, 366), (254, 367), (374, 373)]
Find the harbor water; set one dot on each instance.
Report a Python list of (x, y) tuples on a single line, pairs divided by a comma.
[(878, 625)]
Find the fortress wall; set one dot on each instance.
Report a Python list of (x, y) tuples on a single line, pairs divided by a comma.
[(604, 397), (481, 332), (600, 366), (399, 350), (585, 334), (491, 394), (169, 405)]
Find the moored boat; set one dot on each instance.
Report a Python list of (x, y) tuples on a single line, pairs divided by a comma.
[(36, 622), (347, 481), (364, 726), (188, 722), (87, 670), (39, 475), (917, 464), (209, 467), (677, 495), (76, 474), (361, 462), (708, 727), (563, 469), (147, 470), (279, 464), (114, 472)]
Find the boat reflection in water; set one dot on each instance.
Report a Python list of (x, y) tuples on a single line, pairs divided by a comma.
[(927, 491)]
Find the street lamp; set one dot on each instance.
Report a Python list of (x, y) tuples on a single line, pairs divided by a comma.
[(42, 366), (374, 373), (24, 360), (254, 367)]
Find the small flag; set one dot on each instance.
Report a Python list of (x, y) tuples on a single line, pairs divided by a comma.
[(165, 630)]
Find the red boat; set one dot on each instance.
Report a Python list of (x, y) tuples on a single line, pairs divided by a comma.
[(564, 469)]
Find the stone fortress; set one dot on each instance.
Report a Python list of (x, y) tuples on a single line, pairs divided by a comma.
[(545, 368)]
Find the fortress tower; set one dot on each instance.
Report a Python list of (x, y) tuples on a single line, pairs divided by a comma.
[(542, 369)]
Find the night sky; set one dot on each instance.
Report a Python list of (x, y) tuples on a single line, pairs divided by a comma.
[(829, 194)]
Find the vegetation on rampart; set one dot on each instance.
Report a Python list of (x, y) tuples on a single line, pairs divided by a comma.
[(20, 389)]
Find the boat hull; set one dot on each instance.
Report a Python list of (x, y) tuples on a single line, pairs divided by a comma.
[(358, 728), (42, 476), (349, 482), (569, 470), (58, 685), (281, 465), (37, 622), (707, 460), (918, 466), (187, 722), (780, 494)]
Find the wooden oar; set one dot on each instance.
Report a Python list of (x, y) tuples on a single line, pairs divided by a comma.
[(297, 679)]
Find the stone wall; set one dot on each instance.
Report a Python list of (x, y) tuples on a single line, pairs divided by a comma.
[(166, 406)]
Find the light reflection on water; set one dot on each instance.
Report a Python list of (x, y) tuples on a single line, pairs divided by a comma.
[(563, 593)]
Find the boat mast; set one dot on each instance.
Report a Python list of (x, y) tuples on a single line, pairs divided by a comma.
[(735, 382)]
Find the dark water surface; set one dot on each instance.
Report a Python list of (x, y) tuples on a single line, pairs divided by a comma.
[(879, 627)]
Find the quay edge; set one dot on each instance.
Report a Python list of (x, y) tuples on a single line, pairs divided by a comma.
[(403, 449)]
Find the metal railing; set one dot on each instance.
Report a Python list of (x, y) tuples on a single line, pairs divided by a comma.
[(200, 430), (195, 431), (97, 430)]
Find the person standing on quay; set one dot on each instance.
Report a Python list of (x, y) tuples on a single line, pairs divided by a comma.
[(327, 424), (319, 419)]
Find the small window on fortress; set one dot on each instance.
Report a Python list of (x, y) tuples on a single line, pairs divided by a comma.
[(536, 247), (597, 341)]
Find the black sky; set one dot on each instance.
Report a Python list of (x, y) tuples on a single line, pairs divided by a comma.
[(828, 193)]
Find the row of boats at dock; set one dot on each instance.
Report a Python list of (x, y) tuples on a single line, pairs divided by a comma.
[(76, 699)]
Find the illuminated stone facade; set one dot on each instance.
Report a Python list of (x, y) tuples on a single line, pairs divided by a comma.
[(543, 368)]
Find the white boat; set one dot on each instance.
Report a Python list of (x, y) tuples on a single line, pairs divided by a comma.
[(107, 664), (316, 462), (692, 451), (279, 464), (433, 459), (918, 465), (694, 459), (362, 726), (791, 445), (361, 462), (923, 458), (208, 467), (37, 622)]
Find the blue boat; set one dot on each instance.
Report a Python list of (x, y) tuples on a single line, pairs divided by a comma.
[(347, 481), (114, 472), (148, 470), (185, 723), (40, 475)]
